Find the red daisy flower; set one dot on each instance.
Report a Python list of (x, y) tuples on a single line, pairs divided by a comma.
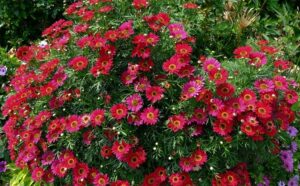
[(48, 177), (199, 116), (151, 39), (141, 51), (199, 157), (150, 115), (183, 49), (237, 104), (218, 75), (270, 128), (70, 161), (118, 111), (146, 65), (161, 173), (106, 151), (225, 114), (222, 127), (225, 90), (111, 35), (176, 122), (151, 180), (248, 96), (242, 52), (120, 183), (190, 5), (97, 117), (291, 96), (87, 137), (175, 179), (154, 93), (230, 178), (263, 110), (25, 53), (78, 63), (101, 180), (282, 65), (80, 171), (135, 159), (73, 123), (280, 82), (248, 129), (214, 106), (37, 174), (139, 4), (120, 149), (171, 66)]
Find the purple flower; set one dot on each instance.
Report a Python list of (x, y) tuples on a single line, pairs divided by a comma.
[(266, 181), (292, 131), (294, 181), (281, 183), (294, 146), (3, 70), (2, 166), (287, 157)]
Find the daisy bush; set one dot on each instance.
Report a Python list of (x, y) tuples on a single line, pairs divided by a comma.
[(118, 94)]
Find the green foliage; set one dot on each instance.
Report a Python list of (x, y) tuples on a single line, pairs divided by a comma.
[(22, 21), (11, 63), (19, 177)]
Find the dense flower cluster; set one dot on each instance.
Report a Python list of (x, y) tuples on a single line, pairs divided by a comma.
[(112, 91)]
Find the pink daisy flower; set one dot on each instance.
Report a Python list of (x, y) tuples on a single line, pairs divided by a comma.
[(120, 149), (97, 117), (73, 123), (264, 85), (280, 82), (48, 158), (150, 115), (211, 63), (191, 89), (101, 180), (257, 59), (186, 164), (141, 84), (186, 71), (134, 102), (37, 174)]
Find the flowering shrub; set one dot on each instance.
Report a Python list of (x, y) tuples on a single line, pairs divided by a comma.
[(119, 96)]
